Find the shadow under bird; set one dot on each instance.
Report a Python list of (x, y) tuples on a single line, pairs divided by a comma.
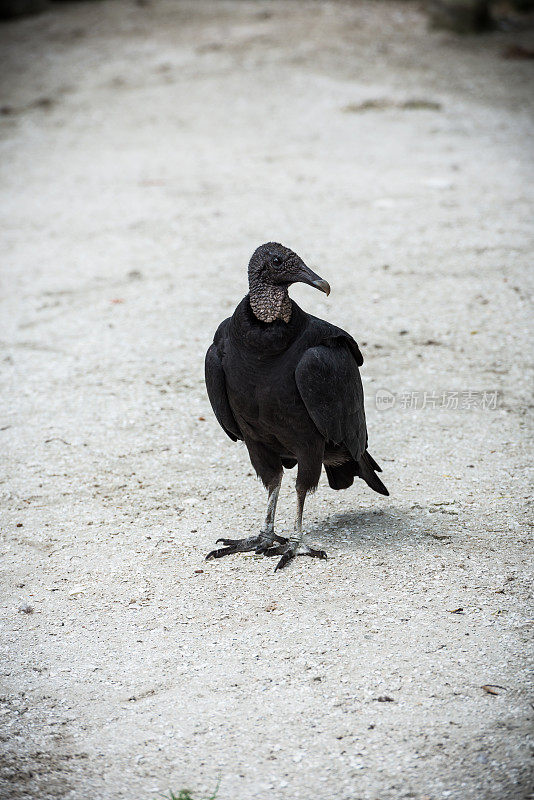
[(288, 385)]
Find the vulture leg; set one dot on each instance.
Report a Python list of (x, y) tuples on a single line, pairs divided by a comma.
[(307, 479), (267, 536)]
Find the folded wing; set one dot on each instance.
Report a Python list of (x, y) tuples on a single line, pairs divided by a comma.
[(329, 382), (216, 386)]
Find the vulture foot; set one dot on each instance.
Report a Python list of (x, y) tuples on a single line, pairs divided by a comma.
[(259, 544), (291, 550)]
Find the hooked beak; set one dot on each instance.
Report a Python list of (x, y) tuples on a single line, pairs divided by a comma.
[(306, 275)]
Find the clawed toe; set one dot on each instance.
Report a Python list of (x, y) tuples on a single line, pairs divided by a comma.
[(289, 553), (262, 549), (222, 551), (317, 554), (255, 544), (277, 550), (286, 558), (264, 545)]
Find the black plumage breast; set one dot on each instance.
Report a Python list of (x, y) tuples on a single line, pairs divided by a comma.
[(261, 387)]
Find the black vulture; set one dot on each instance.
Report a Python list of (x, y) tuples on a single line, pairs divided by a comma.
[(288, 385)]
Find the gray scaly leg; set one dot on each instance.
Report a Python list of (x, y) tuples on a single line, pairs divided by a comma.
[(294, 546), (259, 544)]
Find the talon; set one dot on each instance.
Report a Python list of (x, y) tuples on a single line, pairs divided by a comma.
[(289, 553), (251, 544), (223, 551), (286, 558), (317, 554)]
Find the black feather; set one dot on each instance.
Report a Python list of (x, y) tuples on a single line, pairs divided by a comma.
[(216, 386), (293, 392)]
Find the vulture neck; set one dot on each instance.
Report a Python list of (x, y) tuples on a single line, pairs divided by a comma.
[(269, 302)]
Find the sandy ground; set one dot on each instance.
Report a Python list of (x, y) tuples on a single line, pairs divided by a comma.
[(146, 151)]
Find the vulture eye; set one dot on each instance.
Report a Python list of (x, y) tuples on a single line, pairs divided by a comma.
[(277, 261)]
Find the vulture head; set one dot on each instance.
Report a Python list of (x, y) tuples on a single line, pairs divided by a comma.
[(272, 264)]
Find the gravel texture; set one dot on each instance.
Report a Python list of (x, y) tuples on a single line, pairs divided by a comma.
[(147, 149)]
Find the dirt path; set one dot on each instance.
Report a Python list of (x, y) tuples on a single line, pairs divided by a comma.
[(146, 150)]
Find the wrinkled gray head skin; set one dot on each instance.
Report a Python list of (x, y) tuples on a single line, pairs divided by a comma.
[(271, 270)]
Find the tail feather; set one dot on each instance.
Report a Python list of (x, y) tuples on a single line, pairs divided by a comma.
[(372, 463), (366, 470)]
